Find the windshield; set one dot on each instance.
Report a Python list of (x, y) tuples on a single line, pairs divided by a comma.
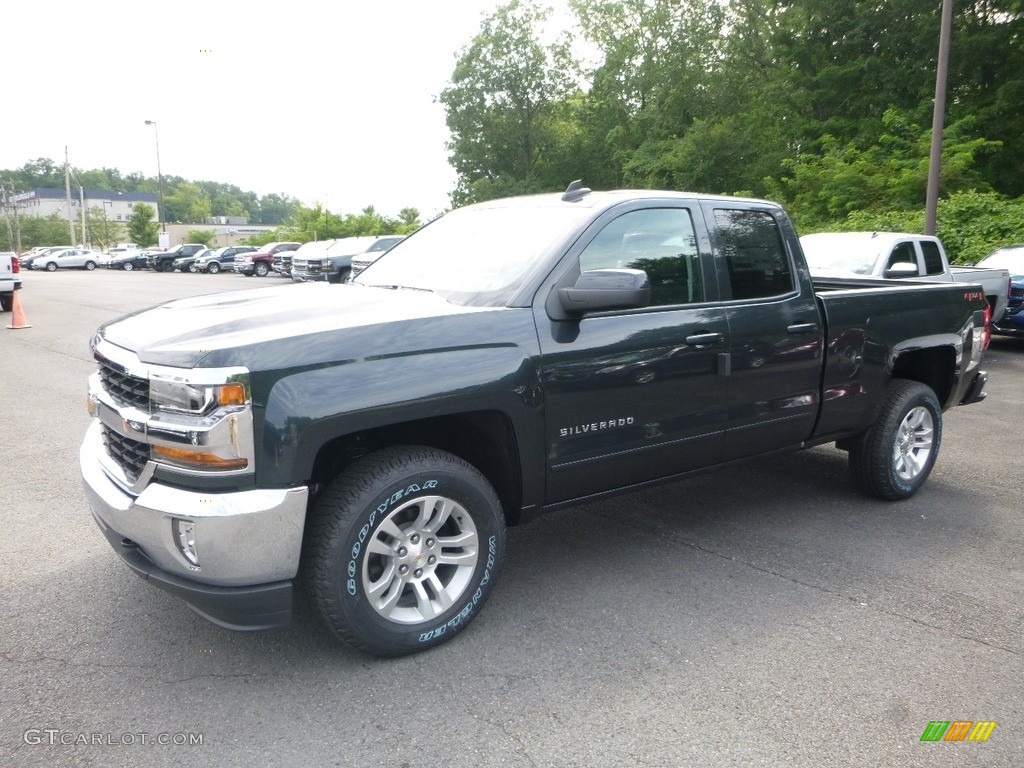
[(839, 253), (350, 245), (476, 256), (1005, 258)]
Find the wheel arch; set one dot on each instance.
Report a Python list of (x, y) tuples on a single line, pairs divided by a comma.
[(484, 439), (935, 367)]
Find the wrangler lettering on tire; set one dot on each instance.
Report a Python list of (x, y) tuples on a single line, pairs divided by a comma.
[(895, 456), (402, 549)]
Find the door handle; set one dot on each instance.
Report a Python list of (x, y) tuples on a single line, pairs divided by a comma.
[(802, 328), (704, 339)]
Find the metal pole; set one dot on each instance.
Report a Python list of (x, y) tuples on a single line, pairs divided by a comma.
[(160, 175), (938, 120), (67, 194), (81, 201)]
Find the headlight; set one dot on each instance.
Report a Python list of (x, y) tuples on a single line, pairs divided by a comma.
[(205, 427), (181, 397)]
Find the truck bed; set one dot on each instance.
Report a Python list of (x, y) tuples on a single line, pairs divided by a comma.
[(864, 348)]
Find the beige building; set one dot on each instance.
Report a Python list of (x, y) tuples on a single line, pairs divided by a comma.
[(46, 201)]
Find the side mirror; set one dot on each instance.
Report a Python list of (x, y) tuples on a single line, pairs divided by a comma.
[(602, 290), (902, 269)]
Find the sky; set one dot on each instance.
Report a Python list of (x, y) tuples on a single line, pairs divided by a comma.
[(330, 102)]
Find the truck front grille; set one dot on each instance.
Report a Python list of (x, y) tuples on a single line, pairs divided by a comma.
[(124, 389), (130, 455)]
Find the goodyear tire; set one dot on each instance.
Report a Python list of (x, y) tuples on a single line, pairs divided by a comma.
[(402, 550), (894, 457)]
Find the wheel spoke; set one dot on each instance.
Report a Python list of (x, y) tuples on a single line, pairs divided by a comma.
[(388, 580), (426, 608), (464, 539), (380, 547), (456, 558), (434, 513), (443, 597)]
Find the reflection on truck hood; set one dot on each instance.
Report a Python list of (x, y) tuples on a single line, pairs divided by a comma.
[(182, 333)]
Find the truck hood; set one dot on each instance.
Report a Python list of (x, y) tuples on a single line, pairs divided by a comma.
[(186, 332)]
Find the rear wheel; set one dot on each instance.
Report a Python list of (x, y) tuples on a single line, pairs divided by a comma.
[(894, 457), (6, 302), (403, 549), (128, 266), (90, 265)]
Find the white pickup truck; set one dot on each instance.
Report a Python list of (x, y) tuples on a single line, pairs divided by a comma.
[(898, 255), (10, 279)]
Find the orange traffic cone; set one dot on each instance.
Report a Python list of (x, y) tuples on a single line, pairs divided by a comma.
[(18, 320)]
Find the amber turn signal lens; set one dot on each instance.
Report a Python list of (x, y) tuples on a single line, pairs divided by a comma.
[(231, 394), (198, 459)]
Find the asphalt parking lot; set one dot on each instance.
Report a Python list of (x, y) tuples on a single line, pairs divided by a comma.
[(766, 615)]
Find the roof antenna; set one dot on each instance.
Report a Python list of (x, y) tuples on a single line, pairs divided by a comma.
[(575, 192)]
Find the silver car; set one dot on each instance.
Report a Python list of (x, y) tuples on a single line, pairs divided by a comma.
[(69, 258)]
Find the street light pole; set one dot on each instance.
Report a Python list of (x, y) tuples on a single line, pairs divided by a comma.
[(931, 204), (160, 175)]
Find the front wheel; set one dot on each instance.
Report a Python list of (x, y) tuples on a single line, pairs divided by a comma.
[(214, 268), (128, 266), (261, 269), (51, 267), (894, 457), (403, 549)]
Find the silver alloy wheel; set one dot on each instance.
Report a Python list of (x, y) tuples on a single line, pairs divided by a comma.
[(913, 444), (128, 266), (420, 559)]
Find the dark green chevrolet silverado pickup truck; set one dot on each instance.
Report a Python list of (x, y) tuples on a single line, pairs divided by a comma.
[(371, 441)]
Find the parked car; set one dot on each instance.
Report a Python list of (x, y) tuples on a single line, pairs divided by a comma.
[(284, 261), (222, 258), (898, 256), (70, 258), (10, 279), (260, 262), (128, 260), (335, 264), (1010, 258), (363, 260), (369, 443), (188, 263), (26, 259), (163, 261)]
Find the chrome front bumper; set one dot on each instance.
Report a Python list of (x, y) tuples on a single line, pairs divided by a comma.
[(241, 538)]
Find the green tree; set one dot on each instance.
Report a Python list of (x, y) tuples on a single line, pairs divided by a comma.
[(499, 101), (103, 233), (205, 236), (141, 226)]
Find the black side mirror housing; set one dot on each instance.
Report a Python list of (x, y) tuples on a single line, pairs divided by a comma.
[(603, 290)]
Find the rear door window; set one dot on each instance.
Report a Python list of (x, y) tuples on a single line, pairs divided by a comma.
[(755, 257)]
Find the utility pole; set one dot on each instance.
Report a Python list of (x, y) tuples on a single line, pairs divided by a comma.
[(67, 194), (160, 175), (81, 202), (7, 216), (931, 204)]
